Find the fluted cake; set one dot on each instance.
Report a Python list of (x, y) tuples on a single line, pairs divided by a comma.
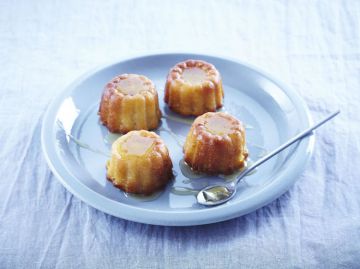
[(216, 144), (140, 163), (194, 87), (130, 102)]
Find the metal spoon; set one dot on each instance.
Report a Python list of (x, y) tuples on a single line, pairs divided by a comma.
[(219, 194)]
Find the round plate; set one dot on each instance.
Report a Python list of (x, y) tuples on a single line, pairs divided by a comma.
[(76, 145)]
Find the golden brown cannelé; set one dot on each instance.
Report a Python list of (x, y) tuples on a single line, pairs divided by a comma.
[(130, 102), (216, 144), (194, 87), (140, 163)]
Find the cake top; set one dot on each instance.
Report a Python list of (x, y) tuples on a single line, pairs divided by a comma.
[(194, 72), (137, 145), (132, 84), (218, 125), (194, 75)]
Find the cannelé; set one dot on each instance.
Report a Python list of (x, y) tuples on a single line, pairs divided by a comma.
[(130, 102), (140, 163), (194, 87), (216, 144)]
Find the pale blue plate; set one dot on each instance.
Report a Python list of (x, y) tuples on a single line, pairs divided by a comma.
[(271, 111)]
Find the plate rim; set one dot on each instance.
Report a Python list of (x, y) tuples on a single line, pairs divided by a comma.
[(160, 217)]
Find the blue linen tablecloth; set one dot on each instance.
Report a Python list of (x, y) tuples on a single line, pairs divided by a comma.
[(313, 46)]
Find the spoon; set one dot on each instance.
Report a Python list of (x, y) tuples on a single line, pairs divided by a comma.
[(219, 194)]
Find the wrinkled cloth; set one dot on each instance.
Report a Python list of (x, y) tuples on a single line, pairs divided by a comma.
[(313, 46)]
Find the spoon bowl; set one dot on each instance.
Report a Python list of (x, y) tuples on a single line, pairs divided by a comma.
[(215, 194)]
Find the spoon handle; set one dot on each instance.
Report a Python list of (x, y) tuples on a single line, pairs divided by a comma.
[(284, 146)]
